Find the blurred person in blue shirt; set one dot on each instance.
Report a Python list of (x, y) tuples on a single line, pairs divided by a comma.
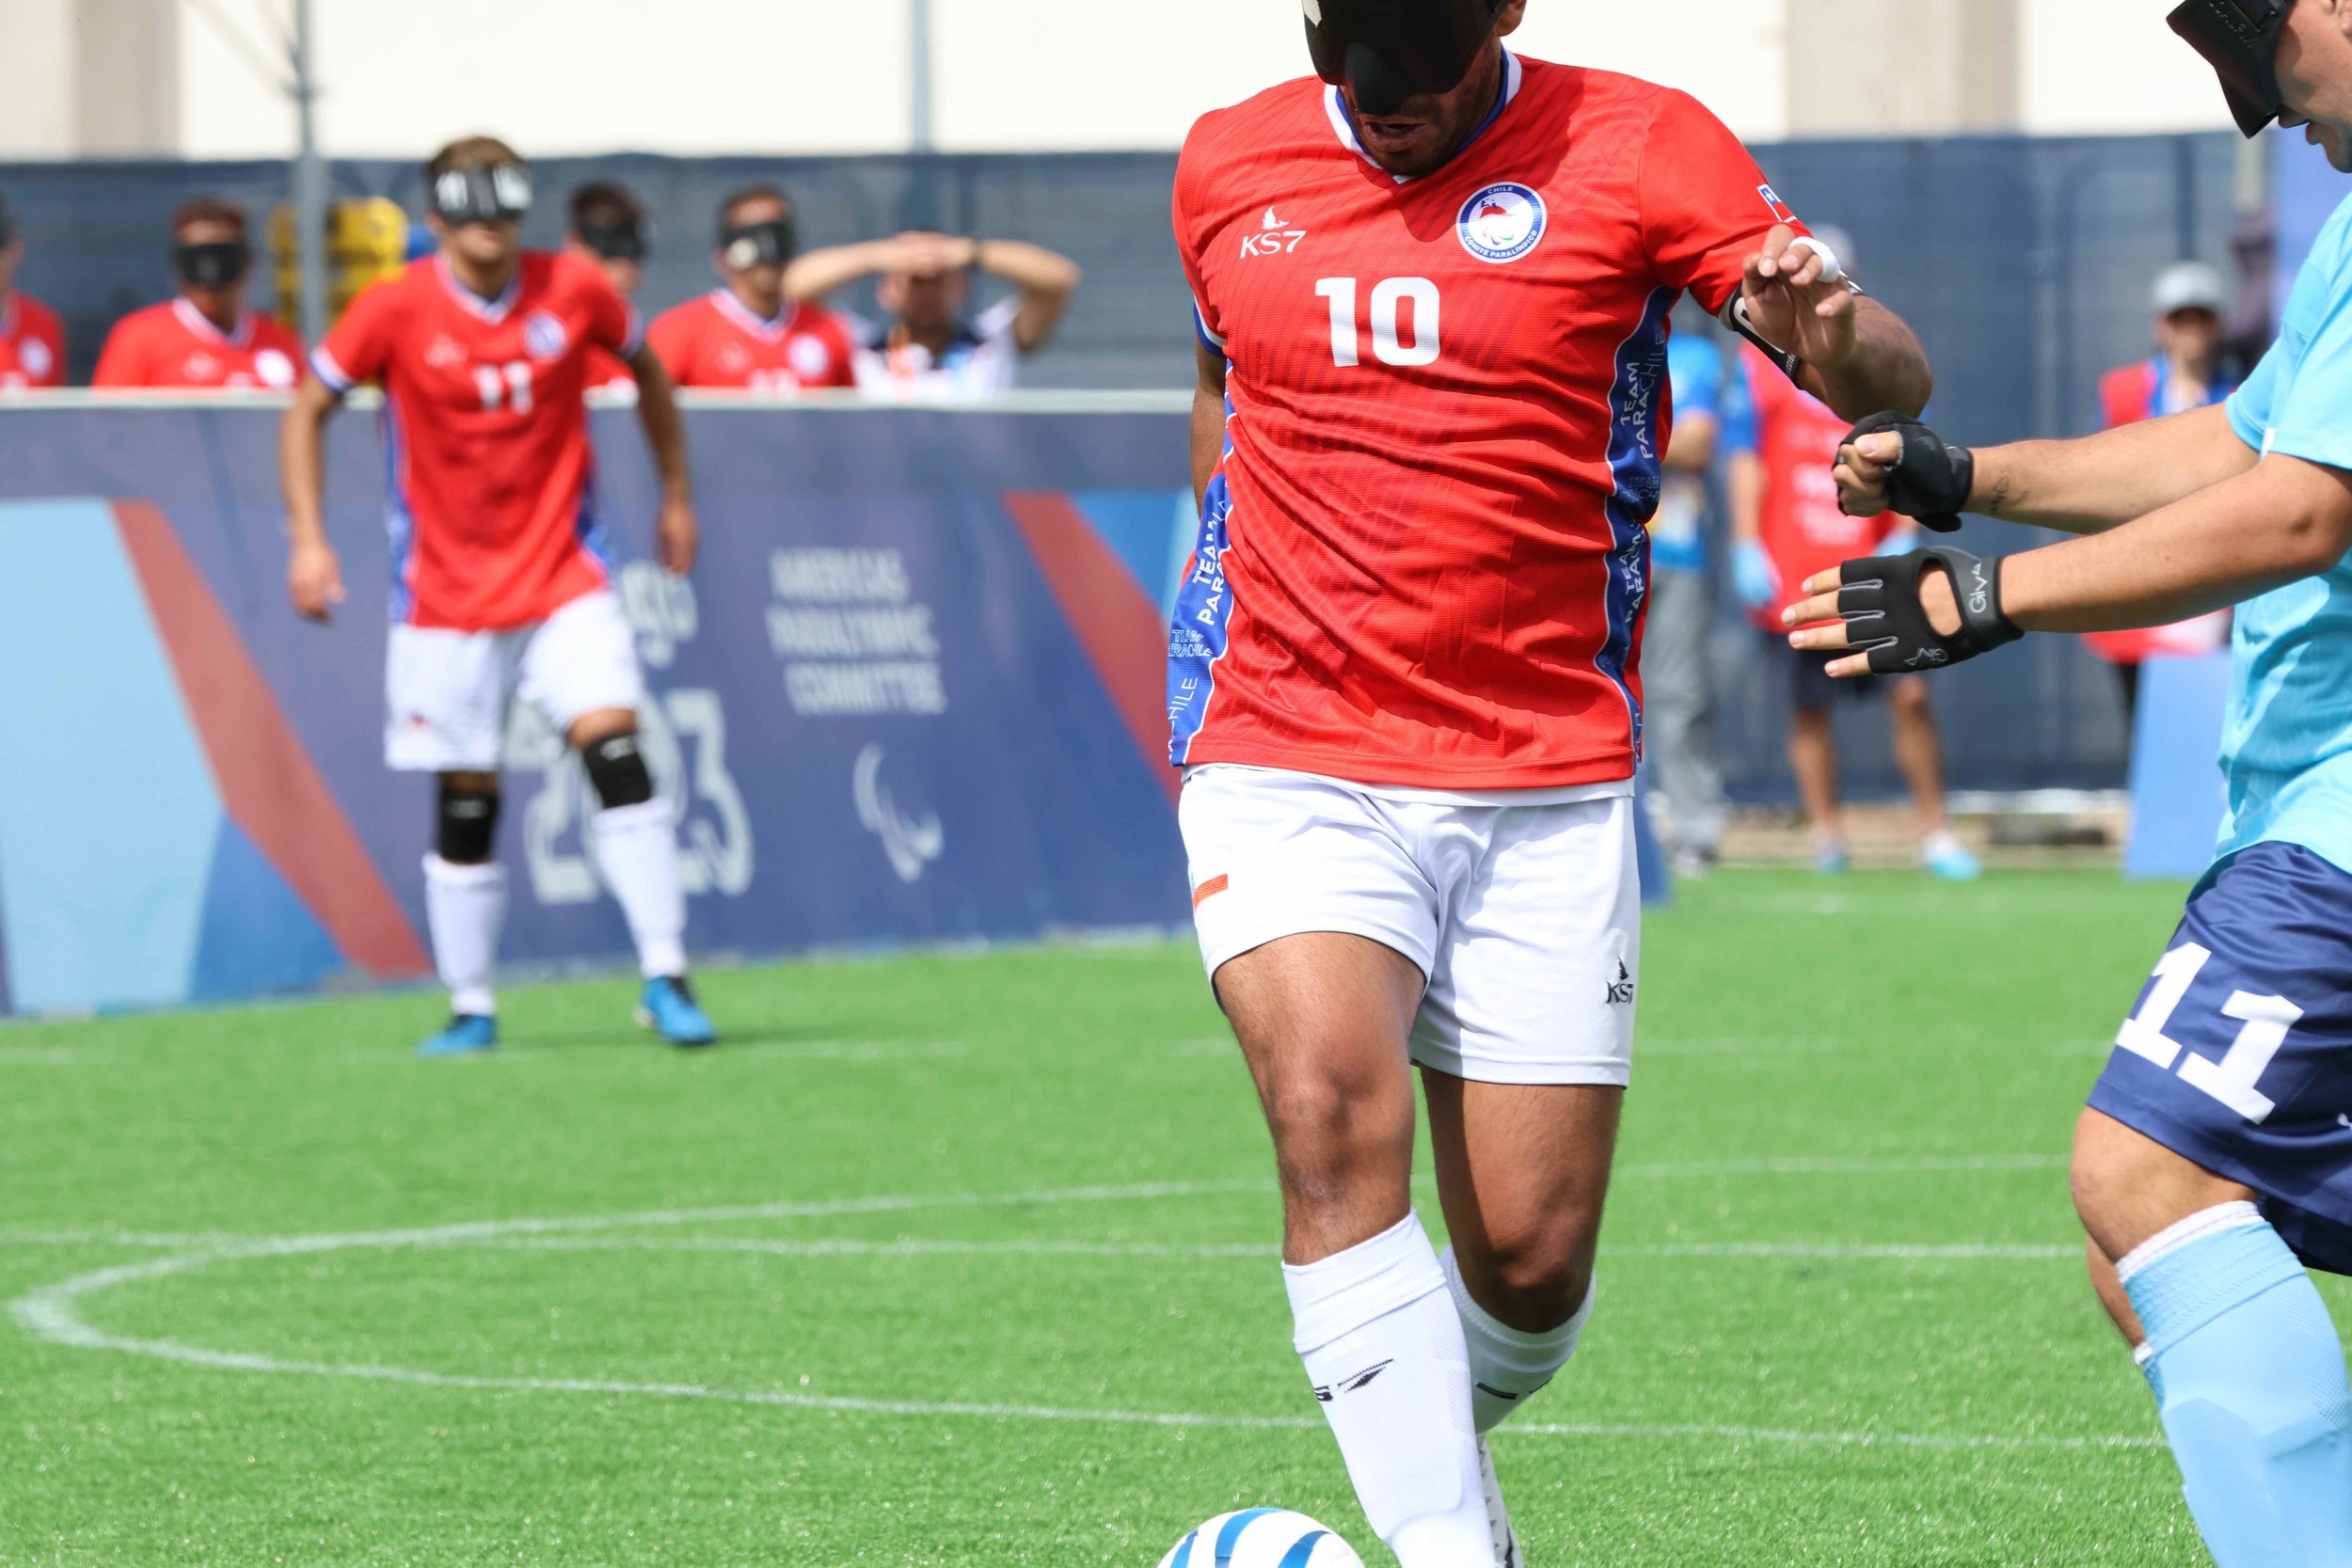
[(1677, 664)]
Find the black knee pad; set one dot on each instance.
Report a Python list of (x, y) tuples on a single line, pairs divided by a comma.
[(616, 767), (469, 825)]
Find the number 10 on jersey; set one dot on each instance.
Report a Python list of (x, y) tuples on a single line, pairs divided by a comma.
[(1389, 298)]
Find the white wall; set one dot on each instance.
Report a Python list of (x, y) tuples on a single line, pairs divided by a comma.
[(798, 76), (2103, 67)]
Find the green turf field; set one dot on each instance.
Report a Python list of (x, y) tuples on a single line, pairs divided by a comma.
[(970, 1260)]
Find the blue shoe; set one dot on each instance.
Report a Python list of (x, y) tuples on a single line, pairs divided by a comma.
[(1832, 863), (1949, 859), (668, 1008), (468, 1035)]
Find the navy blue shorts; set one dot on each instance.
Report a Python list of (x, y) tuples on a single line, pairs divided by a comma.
[(2239, 1056)]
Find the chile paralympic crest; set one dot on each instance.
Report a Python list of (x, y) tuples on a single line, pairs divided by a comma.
[(1503, 223)]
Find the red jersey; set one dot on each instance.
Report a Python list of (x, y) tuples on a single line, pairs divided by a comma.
[(174, 345), (493, 501), (716, 341), (1424, 559), (32, 344), (2127, 395), (1796, 438), (608, 371)]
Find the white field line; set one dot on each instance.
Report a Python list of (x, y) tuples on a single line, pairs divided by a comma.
[(37, 1055), (53, 1314), (1832, 1166), (792, 1051), (1258, 1251)]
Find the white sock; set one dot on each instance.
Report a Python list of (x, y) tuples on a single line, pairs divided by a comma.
[(1383, 1347), (465, 907), (1508, 1367), (637, 851)]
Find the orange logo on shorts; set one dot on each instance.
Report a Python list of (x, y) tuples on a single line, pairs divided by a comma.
[(1210, 889)]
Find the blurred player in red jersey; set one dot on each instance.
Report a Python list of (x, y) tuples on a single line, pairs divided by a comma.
[(747, 336), (205, 338), (1785, 525), (611, 226), (1433, 292), (32, 339), (501, 581)]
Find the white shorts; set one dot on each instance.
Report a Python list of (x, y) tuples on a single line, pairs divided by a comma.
[(1525, 918), (446, 692)]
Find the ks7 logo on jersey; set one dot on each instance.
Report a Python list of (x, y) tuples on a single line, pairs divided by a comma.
[(1273, 237)]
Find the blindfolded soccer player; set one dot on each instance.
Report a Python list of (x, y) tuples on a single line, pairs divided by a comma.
[(1433, 291), (2216, 1159), (205, 337), (500, 582)]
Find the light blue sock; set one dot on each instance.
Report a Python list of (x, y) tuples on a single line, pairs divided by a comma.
[(2249, 1377)]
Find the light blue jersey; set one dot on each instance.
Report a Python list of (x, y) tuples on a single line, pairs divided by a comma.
[(2287, 747), (1677, 534)]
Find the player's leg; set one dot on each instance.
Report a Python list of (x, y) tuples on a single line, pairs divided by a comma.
[(444, 692), (1813, 758), (2216, 1150), (1315, 924), (1678, 685), (581, 670), (1525, 1041), (1919, 755)]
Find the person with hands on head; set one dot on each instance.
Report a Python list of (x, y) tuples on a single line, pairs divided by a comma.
[(928, 351), (2214, 1164), (502, 586)]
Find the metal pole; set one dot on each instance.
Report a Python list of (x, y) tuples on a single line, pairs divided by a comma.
[(919, 75), (309, 181)]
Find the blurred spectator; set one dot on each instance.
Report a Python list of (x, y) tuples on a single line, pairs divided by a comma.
[(1677, 666), (32, 339), (206, 337), (1786, 526), (750, 335), (929, 352), (2185, 372), (612, 228)]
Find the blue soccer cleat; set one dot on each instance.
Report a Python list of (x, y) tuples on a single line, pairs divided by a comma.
[(468, 1035), (1833, 861), (668, 1008), (1950, 861)]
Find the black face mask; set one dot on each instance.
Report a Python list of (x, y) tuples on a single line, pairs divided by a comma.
[(2239, 38), (500, 194), (1384, 52), (773, 244), (616, 241), (218, 264)]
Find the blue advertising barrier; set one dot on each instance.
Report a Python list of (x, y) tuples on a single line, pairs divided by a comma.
[(912, 693), (2177, 794)]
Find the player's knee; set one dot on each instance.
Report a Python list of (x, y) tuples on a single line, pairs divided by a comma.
[(1330, 1128), (1533, 1277), (467, 821), (1911, 698), (617, 771)]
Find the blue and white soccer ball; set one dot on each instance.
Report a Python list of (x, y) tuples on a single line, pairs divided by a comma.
[(1262, 1538)]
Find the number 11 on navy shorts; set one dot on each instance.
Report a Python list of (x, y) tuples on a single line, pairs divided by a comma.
[(2239, 1056)]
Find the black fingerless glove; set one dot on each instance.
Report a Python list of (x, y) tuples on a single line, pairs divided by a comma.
[(1880, 605), (1932, 481)]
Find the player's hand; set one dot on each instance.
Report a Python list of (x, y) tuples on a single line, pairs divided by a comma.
[(1754, 574), (1902, 614), (922, 254), (679, 535), (1795, 301), (314, 580), (1893, 463)]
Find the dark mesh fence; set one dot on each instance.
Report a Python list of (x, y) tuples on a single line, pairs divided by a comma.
[(2024, 263)]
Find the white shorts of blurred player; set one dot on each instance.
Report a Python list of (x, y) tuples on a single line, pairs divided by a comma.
[(1523, 908), (448, 692)]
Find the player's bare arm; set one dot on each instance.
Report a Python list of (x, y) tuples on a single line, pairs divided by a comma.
[(1047, 281), (1858, 355), (314, 577), (680, 532), (819, 273), (1208, 421), (2081, 486)]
